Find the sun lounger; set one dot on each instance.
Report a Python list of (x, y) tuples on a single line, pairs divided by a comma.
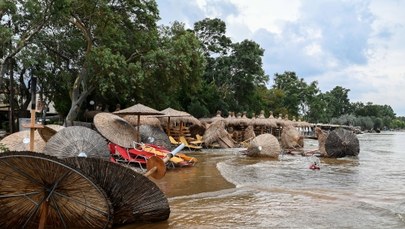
[(173, 141), (188, 145)]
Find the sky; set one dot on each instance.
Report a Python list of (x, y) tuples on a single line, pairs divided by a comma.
[(355, 44)]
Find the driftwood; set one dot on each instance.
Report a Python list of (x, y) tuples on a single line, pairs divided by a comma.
[(341, 143)]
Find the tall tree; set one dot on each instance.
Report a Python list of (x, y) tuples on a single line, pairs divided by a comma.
[(102, 45)]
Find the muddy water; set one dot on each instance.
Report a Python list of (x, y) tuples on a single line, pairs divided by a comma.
[(228, 190)]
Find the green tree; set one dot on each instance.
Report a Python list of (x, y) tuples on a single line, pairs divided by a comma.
[(338, 102)]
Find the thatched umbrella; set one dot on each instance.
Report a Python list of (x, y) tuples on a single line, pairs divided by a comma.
[(341, 143), (134, 197), (77, 141), (40, 191), (154, 135), (116, 129), (291, 138), (48, 131), (264, 145), (143, 120), (216, 117), (138, 110), (177, 116), (19, 141), (216, 133), (321, 136)]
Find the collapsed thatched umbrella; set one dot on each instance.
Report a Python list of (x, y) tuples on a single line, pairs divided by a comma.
[(19, 141), (40, 191), (321, 136), (154, 135), (138, 109), (77, 141), (291, 138), (341, 143), (134, 197), (116, 129), (216, 133), (264, 145), (48, 131)]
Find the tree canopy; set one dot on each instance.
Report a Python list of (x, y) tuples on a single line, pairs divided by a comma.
[(112, 52)]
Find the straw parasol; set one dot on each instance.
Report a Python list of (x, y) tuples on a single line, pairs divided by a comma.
[(154, 135), (138, 109), (216, 133), (177, 116), (48, 131), (134, 197), (321, 135), (341, 143), (19, 141), (264, 145), (115, 129), (216, 117), (40, 191), (143, 120), (77, 141), (291, 138)]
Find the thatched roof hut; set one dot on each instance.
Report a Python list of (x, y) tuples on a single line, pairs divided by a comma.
[(291, 138), (216, 133)]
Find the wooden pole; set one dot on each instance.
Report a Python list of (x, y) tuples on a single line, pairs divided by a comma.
[(33, 108)]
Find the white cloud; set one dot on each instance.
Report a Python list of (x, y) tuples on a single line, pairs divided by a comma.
[(358, 45)]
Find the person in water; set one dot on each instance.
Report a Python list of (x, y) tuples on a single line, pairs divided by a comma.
[(314, 166)]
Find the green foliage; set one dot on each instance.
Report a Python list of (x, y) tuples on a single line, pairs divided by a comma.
[(3, 148)]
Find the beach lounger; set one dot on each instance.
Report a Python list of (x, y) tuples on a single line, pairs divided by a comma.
[(188, 145)]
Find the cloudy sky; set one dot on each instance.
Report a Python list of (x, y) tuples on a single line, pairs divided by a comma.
[(356, 44)]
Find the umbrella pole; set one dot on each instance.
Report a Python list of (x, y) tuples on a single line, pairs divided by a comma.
[(168, 126), (137, 128), (158, 166)]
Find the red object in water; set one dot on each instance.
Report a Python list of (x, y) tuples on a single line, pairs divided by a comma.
[(314, 167)]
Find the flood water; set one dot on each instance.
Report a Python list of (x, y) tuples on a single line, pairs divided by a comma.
[(229, 190)]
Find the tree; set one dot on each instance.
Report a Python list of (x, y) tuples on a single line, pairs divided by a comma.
[(211, 33), (338, 102), (175, 69), (99, 47), (297, 93)]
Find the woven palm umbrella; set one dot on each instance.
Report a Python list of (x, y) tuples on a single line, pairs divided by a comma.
[(19, 141), (138, 110), (48, 131), (143, 120), (77, 141), (134, 197), (291, 138), (321, 136), (40, 191), (264, 145), (341, 143), (154, 135), (216, 133), (116, 129), (177, 117), (216, 117)]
